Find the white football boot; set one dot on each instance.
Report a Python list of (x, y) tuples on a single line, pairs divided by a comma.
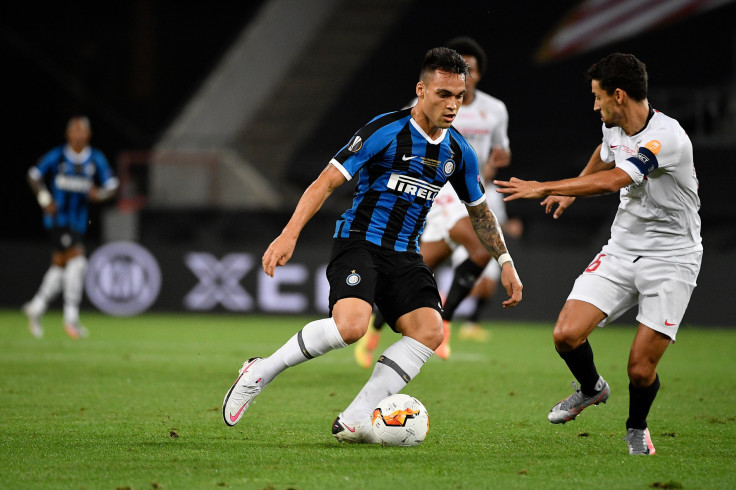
[(358, 432), (243, 391)]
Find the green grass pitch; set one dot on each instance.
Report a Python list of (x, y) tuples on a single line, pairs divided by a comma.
[(138, 405)]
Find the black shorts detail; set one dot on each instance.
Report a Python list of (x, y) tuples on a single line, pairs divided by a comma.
[(302, 347), (388, 362), (396, 282), (63, 239)]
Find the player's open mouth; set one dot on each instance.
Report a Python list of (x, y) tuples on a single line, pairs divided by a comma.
[(449, 117)]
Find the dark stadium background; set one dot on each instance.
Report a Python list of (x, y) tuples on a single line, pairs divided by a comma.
[(130, 66)]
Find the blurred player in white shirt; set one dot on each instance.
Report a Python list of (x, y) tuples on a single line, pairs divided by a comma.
[(653, 257)]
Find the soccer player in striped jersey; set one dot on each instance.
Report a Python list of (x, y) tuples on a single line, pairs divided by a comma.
[(400, 161), (65, 181), (483, 122), (653, 257)]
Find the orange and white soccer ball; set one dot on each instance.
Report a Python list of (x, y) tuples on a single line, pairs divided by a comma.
[(400, 420)]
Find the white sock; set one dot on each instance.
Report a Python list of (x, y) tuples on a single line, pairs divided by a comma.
[(315, 339), (398, 365), (51, 286), (73, 288)]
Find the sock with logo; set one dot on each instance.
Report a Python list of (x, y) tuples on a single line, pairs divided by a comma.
[(399, 363), (580, 362), (640, 401), (462, 282), (315, 339)]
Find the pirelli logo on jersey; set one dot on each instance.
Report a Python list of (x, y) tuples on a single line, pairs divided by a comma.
[(403, 184), (73, 183)]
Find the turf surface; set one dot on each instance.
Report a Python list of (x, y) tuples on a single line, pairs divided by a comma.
[(137, 405)]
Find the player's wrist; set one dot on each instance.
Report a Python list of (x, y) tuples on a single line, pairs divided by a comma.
[(503, 258), (44, 198)]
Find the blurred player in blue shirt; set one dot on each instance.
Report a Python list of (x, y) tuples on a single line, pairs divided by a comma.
[(65, 181)]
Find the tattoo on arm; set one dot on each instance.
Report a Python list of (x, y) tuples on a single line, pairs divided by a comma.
[(487, 228)]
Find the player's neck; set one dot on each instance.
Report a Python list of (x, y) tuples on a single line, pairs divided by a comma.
[(637, 118), (423, 122)]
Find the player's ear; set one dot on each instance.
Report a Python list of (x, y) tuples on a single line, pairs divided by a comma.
[(620, 95), (420, 89)]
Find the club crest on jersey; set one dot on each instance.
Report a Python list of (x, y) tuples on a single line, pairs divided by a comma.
[(353, 279), (404, 184), (448, 167), (355, 144)]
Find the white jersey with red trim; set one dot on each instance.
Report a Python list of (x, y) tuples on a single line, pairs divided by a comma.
[(658, 212), (484, 123)]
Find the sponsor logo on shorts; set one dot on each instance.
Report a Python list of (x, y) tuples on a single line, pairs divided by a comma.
[(668, 324), (353, 279)]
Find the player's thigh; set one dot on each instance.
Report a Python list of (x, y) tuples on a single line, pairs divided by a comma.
[(351, 272), (666, 285), (608, 283), (434, 252), (406, 284)]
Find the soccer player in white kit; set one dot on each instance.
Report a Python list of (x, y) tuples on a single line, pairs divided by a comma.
[(483, 121), (653, 256)]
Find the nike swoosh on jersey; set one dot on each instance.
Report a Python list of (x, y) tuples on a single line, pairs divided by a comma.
[(405, 158), (614, 146)]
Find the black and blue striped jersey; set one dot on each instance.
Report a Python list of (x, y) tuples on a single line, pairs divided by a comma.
[(400, 170), (69, 177)]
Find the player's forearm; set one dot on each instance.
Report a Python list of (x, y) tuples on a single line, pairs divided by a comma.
[(488, 229), (310, 202)]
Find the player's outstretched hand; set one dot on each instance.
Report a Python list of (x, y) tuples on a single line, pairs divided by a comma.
[(278, 253), (519, 189), (512, 283), (561, 203)]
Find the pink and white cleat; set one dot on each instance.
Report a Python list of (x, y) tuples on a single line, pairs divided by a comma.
[(243, 391)]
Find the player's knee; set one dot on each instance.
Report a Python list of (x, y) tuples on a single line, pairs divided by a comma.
[(566, 338), (352, 328), (479, 256), (436, 336), (641, 374)]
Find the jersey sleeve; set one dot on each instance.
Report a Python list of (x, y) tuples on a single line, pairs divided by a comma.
[(658, 150), (467, 181), (104, 172), (364, 145), (45, 164), (607, 154)]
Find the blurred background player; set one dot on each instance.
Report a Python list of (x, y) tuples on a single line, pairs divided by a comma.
[(653, 257), (483, 121), (65, 181)]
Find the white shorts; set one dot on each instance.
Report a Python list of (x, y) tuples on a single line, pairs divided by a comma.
[(447, 209), (661, 286)]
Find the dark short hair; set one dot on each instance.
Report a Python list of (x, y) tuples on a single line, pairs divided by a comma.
[(443, 59), (468, 46), (624, 71)]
